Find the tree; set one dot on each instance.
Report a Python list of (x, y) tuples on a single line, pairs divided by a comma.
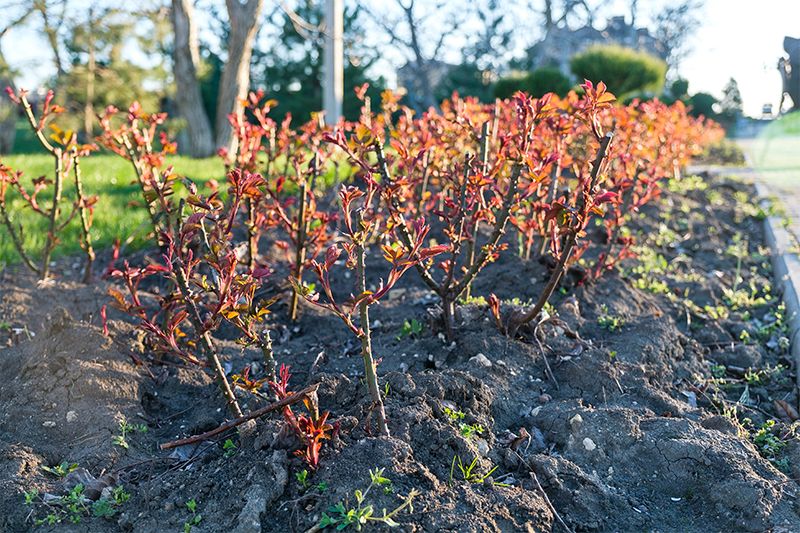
[(482, 57), (8, 115), (673, 26), (702, 104), (409, 32), (569, 13), (243, 17), (186, 61), (289, 65), (97, 73), (731, 102), (487, 46), (730, 107), (466, 79), (53, 15)]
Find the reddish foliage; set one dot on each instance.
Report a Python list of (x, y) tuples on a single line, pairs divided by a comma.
[(311, 428)]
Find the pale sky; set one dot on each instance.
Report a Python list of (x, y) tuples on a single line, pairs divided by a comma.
[(737, 38), (742, 39)]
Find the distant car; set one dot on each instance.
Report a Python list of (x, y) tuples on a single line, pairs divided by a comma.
[(766, 110)]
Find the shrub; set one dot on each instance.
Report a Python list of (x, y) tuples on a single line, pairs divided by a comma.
[(537, 83), (702, 104), (204, 285), (724, 152), (66, 152), (679, 88), (541, 171), (294, 159), (622, 69)]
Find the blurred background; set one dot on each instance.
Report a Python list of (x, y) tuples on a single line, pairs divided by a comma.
[(727, 59)]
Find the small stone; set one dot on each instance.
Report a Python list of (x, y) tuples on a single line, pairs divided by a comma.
[(575, 422), (481, 360), (589, 444), (72, 416), (249, 519), (49, 424), (397, 294), (544, 398), (483, 446)]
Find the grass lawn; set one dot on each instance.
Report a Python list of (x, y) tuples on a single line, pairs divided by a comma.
[(112, 179), (775, 153)]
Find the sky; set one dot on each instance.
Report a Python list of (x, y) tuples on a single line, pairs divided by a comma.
[(742, 39), (736, 38)]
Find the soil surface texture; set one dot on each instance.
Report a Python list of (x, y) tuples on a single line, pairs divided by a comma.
[(665, 375)]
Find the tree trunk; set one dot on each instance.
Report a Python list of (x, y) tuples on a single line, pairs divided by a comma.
[(422, 65), (8, 112), (186, 58), (235, 81), (51, 33)]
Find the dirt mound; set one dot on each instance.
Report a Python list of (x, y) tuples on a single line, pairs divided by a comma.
[(656, 473), (62, 398)]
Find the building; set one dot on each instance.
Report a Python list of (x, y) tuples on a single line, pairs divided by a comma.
[(560, 43)]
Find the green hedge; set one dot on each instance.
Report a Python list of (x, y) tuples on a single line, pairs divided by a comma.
[(623, 70), (536, 83)]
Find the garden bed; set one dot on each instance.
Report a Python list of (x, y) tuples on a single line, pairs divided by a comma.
[(665, 375)]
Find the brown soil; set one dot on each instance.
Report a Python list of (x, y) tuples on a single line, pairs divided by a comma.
[(633, 437)]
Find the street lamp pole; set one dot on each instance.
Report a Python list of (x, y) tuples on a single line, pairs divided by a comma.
[(333, 66)]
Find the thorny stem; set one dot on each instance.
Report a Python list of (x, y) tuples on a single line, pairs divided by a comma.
[(402, 228), (58, 187), (44, 269), (448, 302), (366, 339), (425, 176), (151, 210), (497, 233), (205, 340), (265, 343), (601, 263), (84, 216), (205, 337), (17, 239), (26, 106), (551, 196), (300, 245), (472, 243), (450, 293), (252, 235), (518, 319)]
